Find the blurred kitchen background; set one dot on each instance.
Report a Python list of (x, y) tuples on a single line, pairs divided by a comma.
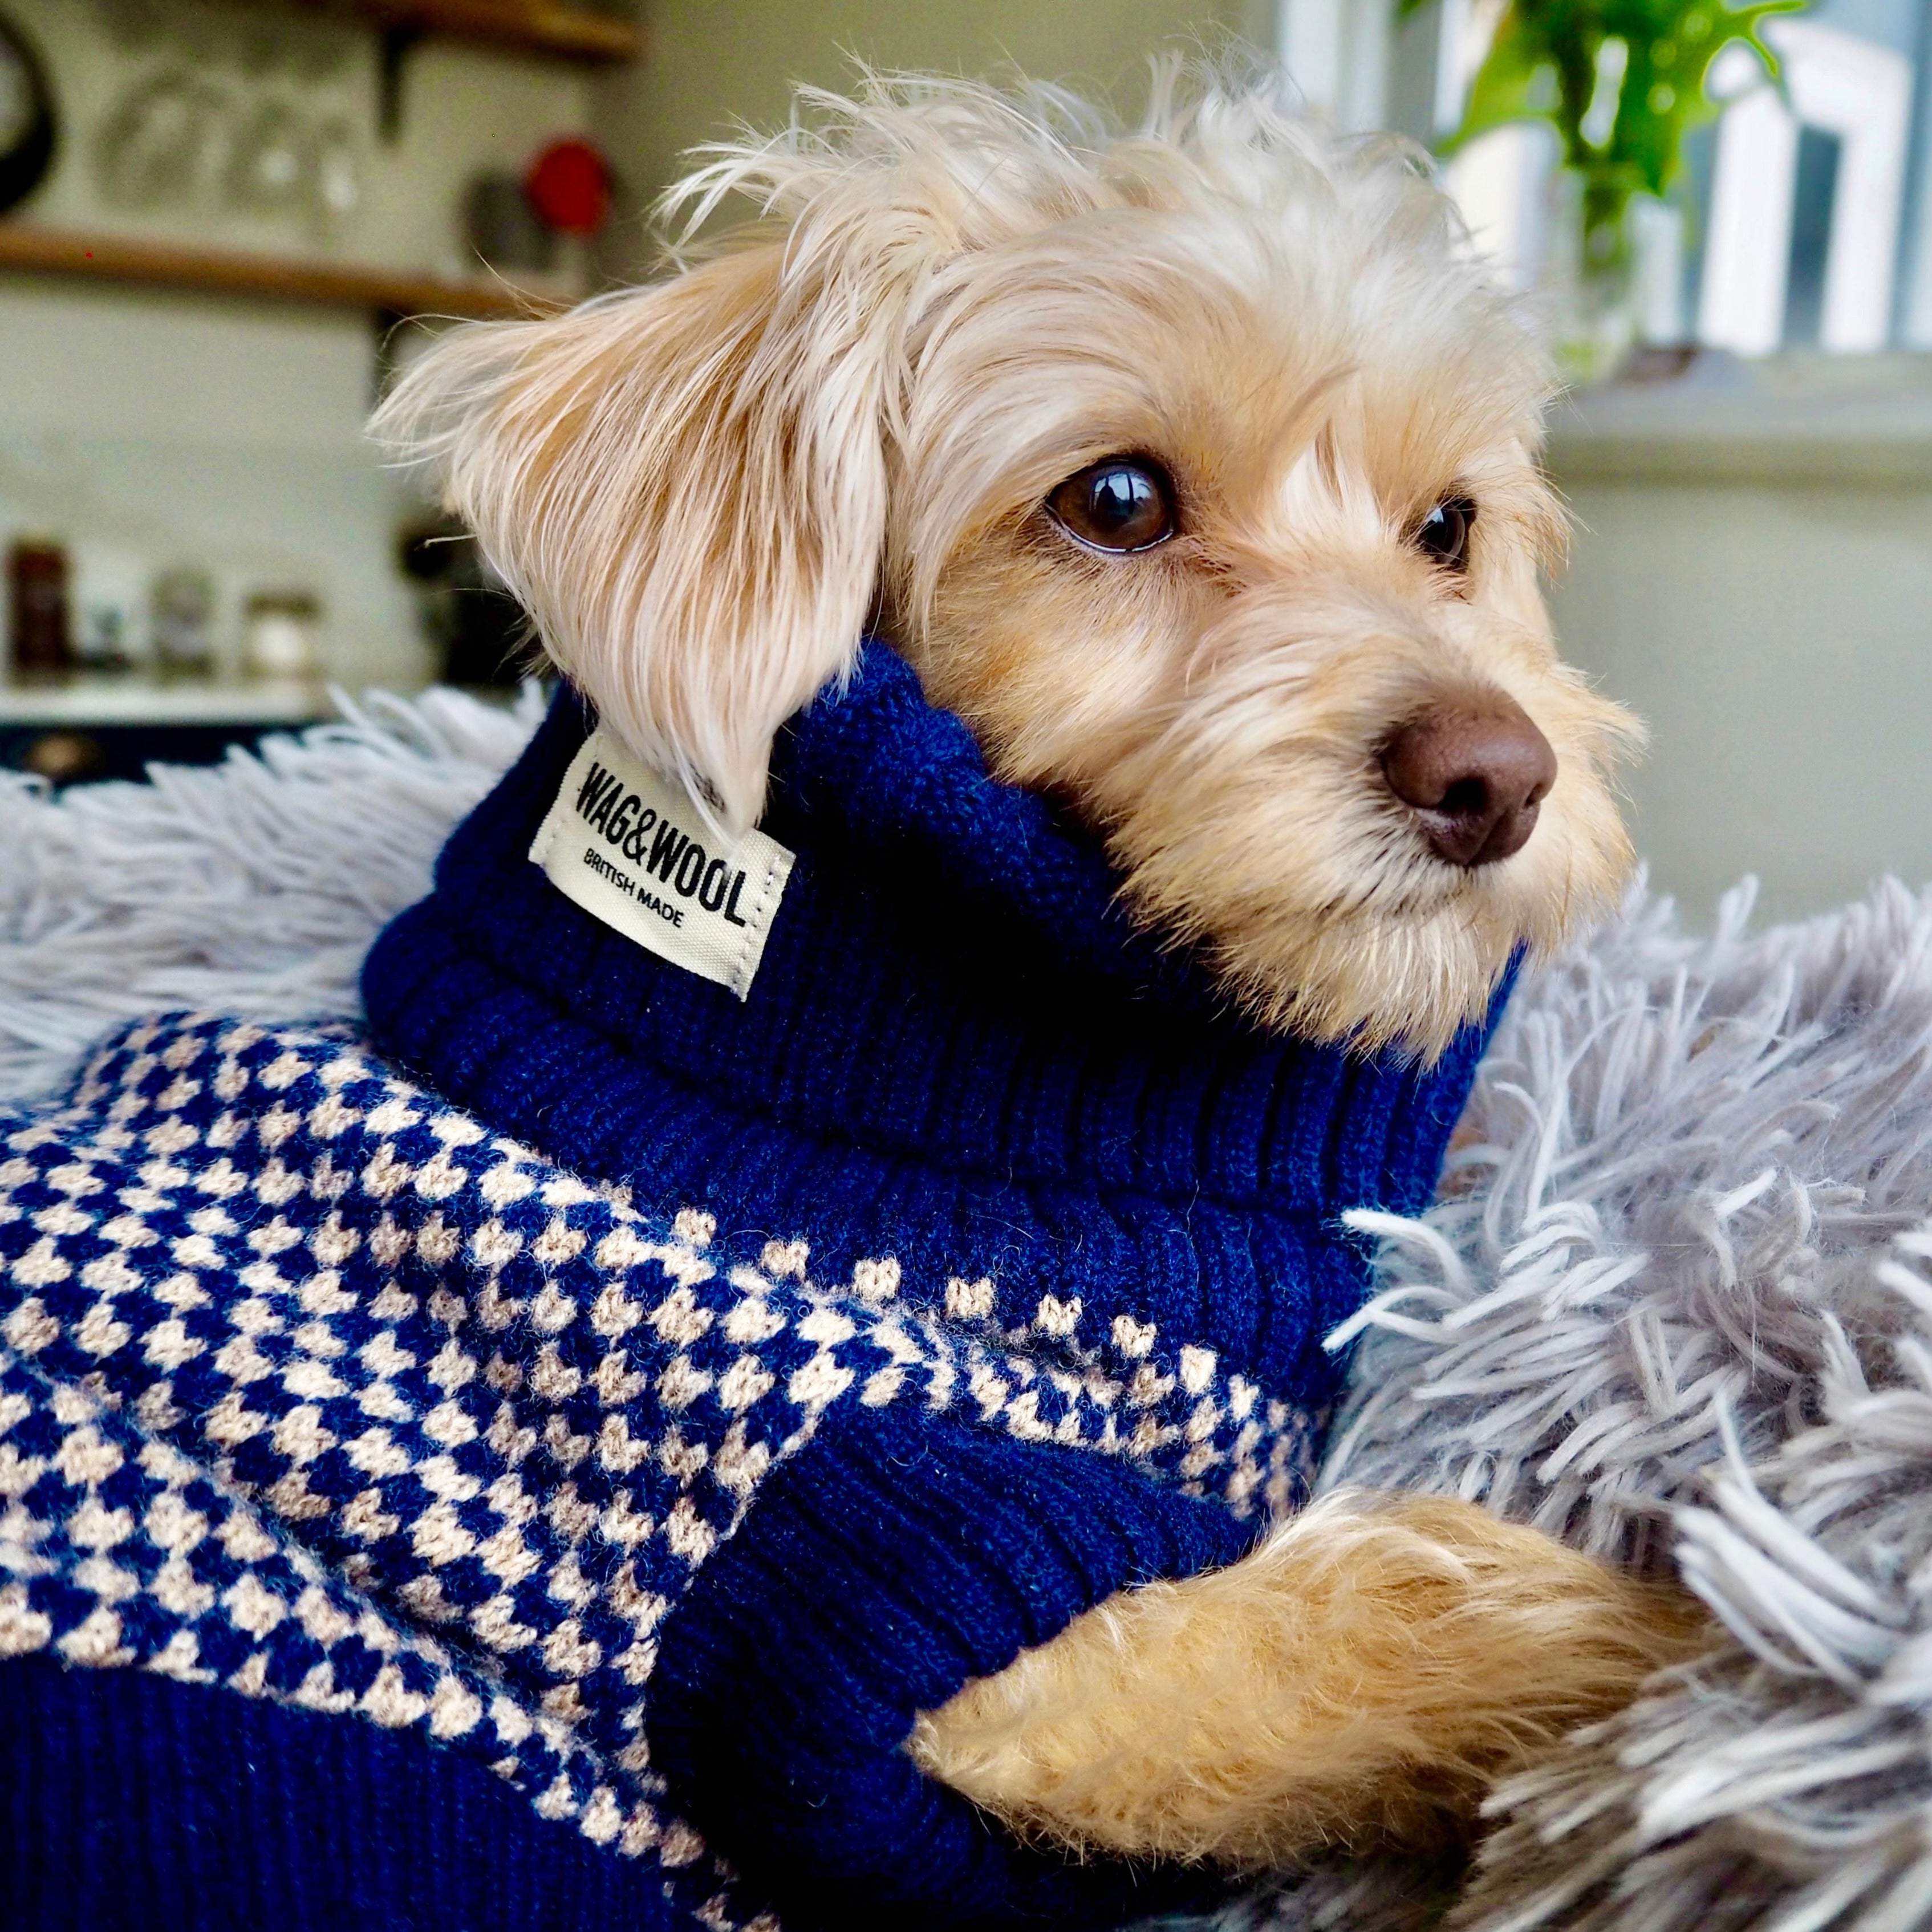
[(218, 218)]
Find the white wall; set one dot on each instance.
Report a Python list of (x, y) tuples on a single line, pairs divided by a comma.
[(1753, 573), (714, 65)]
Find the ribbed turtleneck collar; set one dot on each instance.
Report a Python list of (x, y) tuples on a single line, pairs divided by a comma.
[(958, 1056)]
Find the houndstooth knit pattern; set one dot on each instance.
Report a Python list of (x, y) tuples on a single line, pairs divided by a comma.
[(313, 1388)]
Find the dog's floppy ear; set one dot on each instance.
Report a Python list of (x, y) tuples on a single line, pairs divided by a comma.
[(684, 485)]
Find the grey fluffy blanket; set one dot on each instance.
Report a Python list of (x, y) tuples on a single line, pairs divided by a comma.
[(1674, 1305)]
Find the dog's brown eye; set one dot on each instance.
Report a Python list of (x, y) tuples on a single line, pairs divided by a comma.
[(1443, 536), (1122, 503)]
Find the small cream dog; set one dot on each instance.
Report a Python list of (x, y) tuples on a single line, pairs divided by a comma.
[(1194, 467)]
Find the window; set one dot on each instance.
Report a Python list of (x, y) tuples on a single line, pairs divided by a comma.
[(1804, 220)]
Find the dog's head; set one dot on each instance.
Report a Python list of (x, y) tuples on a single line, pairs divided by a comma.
[(1194, 467)]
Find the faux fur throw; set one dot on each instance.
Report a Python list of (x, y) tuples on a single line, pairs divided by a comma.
[(1676, 1300), (1675, 1304)]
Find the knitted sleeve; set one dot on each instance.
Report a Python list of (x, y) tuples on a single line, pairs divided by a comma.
[(662, 1544)]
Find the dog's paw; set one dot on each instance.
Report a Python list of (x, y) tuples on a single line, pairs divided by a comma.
[(1360, 1678)]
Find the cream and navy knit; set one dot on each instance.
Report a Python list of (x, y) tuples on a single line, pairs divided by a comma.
[(538, 1486)]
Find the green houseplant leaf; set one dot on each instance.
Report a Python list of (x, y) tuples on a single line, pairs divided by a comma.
[(1622, 82)]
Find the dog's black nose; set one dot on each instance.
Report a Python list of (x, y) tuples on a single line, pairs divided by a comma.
[(1475, 775)]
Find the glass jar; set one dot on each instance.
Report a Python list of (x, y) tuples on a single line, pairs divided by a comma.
[(1590, 280), (279, 633), (183, 617), (37, 607)]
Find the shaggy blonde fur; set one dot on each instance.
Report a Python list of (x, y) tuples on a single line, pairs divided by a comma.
[(952, 299), (1362, 1678), (956, 299)]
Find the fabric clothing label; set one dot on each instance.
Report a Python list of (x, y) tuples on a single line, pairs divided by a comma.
[(628, 845)]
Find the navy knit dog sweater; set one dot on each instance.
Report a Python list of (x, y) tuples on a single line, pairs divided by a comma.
[(529, 1469)]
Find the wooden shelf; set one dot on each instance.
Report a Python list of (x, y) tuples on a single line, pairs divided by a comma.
[(532, 26), (135, 698), (114, 258)]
